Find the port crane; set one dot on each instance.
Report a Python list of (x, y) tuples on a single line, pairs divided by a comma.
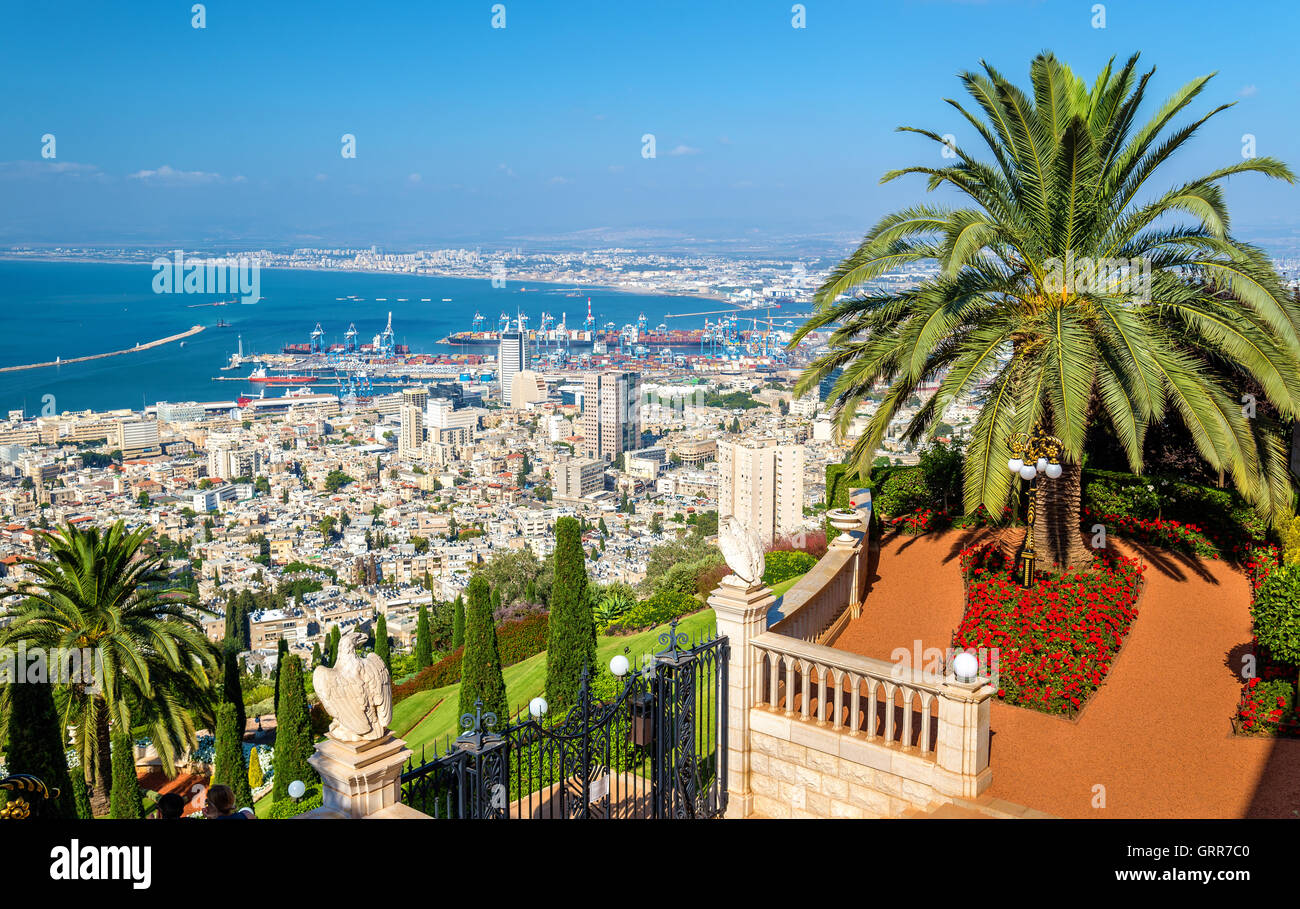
[(503, 323), (350, 338), (317, 339), (478, 321), (387, 345)]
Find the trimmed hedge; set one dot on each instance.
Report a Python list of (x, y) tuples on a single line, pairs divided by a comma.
[(516, 642), (1275, 615)]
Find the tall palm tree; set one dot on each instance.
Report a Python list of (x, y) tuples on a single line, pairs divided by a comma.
[(106, 591), (1018, 315)]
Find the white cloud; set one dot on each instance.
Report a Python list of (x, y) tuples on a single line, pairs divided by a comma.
[(684, 150), (558, 181), (1248, 91), (169, 174), (505, 169)]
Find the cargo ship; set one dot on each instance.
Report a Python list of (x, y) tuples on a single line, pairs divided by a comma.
[(260, 375), (579, 341)]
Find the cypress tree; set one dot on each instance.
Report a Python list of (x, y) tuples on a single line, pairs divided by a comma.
[(458, 623), (281, 651), (293, 744), (228, 758), (480, 668), (381, 642), (230, 689), (332, 645), (423, 646), (316, 658), (35, 745), (255, 776), (571, 639), (124, 800), (81, 795)]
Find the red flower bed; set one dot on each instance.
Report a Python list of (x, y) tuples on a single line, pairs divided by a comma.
[(1054, 641), (1267, 705), (921, 521), (1175, 535)]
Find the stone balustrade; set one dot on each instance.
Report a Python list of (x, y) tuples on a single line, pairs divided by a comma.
[(820, 604), (845, 691)]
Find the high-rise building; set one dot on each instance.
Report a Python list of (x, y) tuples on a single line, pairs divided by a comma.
[(411, 437), (512, 358), (610, 417), (761, 483), (578, 477), (138, 437), (419, 396)]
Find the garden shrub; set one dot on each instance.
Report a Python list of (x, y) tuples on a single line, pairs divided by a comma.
[(662, 606), (287, 808), (1275, 615), (1289, 531), (1267, 706), (781, 565), (905, 491)]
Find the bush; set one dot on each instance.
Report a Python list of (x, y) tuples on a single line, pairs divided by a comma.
[(662, 606), (905, 491), (1289, 531), (781, 565), (1275, 615), (287, 808), (1267, 707)]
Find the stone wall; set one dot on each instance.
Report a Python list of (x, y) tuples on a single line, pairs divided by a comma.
[(798, 770)]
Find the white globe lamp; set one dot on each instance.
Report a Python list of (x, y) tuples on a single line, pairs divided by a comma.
[(1015, 464), (296, 789), (1028, 472), (965, 667), (537, 708), (1041, 465), (1053, 471), (619, 665)]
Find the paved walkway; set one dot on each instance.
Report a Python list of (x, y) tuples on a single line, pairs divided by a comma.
[(1156, 735)]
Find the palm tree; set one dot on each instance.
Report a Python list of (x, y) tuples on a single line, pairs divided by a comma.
[(107, 592), (1033, 308)]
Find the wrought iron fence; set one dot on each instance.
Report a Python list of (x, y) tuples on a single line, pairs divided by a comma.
[(654, 746)]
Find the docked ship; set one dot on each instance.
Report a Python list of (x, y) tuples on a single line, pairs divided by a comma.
[(261, 376)]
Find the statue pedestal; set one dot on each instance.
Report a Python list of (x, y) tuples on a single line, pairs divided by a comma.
[(359, 779)]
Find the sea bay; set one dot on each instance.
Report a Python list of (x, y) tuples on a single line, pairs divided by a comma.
[(58, 309)]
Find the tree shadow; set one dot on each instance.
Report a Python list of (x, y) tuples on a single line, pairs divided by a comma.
[(1173, 565)]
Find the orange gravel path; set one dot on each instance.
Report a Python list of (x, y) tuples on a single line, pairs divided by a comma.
[(1156, 735)]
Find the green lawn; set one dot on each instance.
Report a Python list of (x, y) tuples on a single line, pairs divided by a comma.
[(785, 585), (427, 717)]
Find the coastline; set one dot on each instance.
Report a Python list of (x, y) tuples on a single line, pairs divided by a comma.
[(523, 280)]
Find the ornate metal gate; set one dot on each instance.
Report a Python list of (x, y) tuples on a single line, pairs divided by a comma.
[(650, 746)]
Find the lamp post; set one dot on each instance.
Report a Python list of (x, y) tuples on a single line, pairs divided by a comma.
[(1033, 455)]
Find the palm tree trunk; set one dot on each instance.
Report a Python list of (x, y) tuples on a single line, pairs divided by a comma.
[(1058, 541), (100, 771)]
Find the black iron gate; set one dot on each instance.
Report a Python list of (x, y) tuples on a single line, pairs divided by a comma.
[(651, 745)]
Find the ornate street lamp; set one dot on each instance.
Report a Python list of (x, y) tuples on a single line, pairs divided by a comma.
[(1033, 455)]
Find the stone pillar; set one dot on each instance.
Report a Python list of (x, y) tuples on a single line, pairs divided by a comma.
[(962, 752), (359, 779), (741, 611)]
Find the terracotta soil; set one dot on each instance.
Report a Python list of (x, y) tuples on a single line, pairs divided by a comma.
[(1156, 735)]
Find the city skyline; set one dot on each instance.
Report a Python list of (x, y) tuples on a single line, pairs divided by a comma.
[(163, 133)]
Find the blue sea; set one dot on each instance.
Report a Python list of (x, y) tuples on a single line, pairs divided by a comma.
[(71, 309)]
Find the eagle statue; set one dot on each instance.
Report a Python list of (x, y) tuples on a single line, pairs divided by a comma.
[(357, 693), (742, 549)]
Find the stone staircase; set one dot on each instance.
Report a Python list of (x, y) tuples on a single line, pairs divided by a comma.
[(981, 808)]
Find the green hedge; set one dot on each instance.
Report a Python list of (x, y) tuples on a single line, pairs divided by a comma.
[(781, 565), (1275, 615), (516, 642)]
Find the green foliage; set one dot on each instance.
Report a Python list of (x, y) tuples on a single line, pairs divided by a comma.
[(662, 606), (255, 775), (231, 690), (336, 480), (572, 641), (81, 797), (423, 643), (1289, 532), (381, 642), (124, 801), (34, 744), (458, 623), (1070, 171), (1275, 614), (481, 678), (287, 807), (941, 465), (781, 565), (228, 758), (293, 739), (902, 493)]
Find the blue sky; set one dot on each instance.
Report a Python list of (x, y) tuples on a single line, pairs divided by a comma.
[(170, 134)]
